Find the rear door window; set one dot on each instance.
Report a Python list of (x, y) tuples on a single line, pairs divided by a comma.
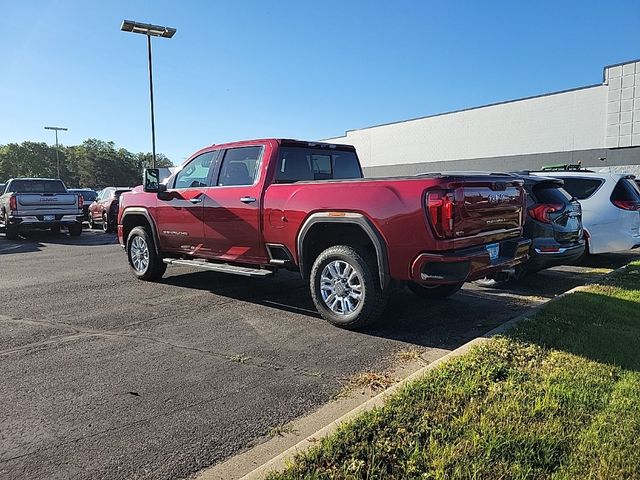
[(296, 164), (548, 193), (582, 188), (240, 166)]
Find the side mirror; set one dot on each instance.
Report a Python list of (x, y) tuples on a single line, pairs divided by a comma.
[(151, 180)]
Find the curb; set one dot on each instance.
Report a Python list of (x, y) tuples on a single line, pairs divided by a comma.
[(278, 462)]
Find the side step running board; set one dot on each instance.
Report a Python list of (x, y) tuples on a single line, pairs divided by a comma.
[(219, 267)]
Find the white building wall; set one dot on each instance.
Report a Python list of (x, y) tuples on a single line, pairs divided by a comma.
[(573, 120), (605, 116)]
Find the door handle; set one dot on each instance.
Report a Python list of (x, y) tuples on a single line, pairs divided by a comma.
[(247, 199), (195, 200)]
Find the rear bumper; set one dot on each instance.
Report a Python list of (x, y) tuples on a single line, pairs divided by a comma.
[(546, 255), (468, 264), (35, 222)]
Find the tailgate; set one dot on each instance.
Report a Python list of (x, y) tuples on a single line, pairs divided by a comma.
[(47, 200), (485, 206)]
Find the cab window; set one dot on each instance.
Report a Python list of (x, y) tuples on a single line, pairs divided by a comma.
[(240, 166), (299, 164), (195, 174)]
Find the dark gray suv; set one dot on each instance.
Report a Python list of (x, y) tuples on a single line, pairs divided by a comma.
[(553, 223)]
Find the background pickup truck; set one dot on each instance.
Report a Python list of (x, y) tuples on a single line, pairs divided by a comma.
[(39, 203), (253, 207)]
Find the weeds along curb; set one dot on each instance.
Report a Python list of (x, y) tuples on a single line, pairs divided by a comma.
[(279, 461)]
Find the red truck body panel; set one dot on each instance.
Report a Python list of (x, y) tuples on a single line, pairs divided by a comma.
[(220, 226)]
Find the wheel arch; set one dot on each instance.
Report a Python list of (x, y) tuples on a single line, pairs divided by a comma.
[(335, 220), (139, 217)]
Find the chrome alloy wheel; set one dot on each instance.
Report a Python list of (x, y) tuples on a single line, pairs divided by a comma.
[(341, 287), (139, 254)]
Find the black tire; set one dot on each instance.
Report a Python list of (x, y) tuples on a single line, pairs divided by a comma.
[(10, 231), (373, 298), (92, 224), (106, 224), (155, 267), (75, 230), (438, 291)]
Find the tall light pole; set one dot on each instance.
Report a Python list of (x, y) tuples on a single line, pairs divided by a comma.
[(57, 155), (150, 31)]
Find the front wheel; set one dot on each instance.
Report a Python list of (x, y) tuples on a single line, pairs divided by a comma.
[(141, 253), (106, 223), (92, 224), (436, 291), (345, 288)]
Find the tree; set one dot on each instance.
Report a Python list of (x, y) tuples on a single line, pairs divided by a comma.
[(95, 163)]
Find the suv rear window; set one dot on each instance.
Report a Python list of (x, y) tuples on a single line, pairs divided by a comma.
[(297, 164), (38, 186), (581, 188), (626, 191), (550, 193)]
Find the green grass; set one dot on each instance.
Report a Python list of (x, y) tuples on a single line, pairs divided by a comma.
[(556, 398)]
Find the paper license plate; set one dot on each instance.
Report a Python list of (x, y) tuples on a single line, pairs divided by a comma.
[(49, 218), (494, 251)]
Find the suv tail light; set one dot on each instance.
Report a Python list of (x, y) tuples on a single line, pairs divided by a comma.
[(440, 205), (541, 212), (626, 204), (626, 194), (80, 201), (13, 203)]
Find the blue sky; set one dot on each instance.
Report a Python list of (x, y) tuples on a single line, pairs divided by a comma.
[(244, 69)]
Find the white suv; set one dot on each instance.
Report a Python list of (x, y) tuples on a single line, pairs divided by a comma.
[(610, 208)]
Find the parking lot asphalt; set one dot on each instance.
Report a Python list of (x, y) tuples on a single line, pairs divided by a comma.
[(104, 376)]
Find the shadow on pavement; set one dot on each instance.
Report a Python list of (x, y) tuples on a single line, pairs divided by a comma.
[(35, 241), (445, 323)]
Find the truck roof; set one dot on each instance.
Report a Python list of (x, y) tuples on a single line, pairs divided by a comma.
[(282, 141), (35, 178)]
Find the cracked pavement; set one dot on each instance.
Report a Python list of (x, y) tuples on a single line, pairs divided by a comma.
[(104, 376)]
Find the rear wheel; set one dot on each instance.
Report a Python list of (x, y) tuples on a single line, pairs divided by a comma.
[(436, 291), (11, 231), (92, 224), (141, 253), (345, 288), (75, 230)]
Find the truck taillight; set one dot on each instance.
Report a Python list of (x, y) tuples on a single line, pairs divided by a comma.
[(80, 201), (440, 205), (13, 203), (541, 212)]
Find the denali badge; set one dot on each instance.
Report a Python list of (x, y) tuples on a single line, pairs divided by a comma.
[(496, 220), (498, 198)]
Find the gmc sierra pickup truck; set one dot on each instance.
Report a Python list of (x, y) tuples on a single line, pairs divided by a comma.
[(253, 207), (39, 203)]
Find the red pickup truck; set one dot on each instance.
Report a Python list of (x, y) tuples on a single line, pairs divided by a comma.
[(253, 207)]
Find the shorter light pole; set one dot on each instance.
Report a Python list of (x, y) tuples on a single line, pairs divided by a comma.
[(150, 31), (57, 154)]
